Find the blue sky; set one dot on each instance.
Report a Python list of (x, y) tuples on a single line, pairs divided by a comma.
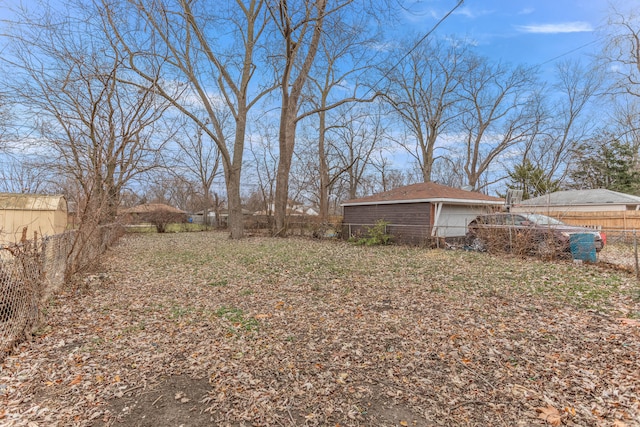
[(532, 32)]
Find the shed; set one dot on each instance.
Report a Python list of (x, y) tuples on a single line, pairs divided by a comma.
[(419, 212), (44, 214)]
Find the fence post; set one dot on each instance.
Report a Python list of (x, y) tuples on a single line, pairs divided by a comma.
[(635, 253)]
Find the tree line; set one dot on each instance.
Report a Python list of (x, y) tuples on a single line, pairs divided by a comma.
[(256, 102)]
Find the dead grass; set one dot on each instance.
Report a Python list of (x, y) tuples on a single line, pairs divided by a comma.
[(304, 332)]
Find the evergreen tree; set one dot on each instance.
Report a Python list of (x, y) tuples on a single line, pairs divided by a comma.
[(606, 163), (532, 180)]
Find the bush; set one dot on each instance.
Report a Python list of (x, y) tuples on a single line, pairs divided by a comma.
[(161, 219), (376, 235)]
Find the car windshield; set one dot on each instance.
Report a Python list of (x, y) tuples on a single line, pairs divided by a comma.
[(543, 219)]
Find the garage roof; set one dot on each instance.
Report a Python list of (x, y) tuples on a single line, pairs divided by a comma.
[(426, 192), (598, 196), (151, 207)]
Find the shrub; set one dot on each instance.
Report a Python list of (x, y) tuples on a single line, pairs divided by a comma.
[(376, 235), (161, 219)]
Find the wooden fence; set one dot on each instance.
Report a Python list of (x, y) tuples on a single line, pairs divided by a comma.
[(622, 221)]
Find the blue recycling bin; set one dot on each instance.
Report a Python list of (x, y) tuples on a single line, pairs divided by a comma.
[(583, 247)]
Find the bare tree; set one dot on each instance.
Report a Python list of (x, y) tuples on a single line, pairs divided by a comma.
[(165, 186), (333, 82), (625, 125), (566, 122), (387, 177), (497, 113), (212, 56), (199, 160), (23, 175), (423, 93), (300, 27), (449, 170), (622, 49), (5, 120), (355, 144), (94, 128), (264, 159)]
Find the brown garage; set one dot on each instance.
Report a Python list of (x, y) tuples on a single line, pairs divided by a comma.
[(418, 213)]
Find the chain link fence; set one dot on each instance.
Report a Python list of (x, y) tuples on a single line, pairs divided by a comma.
[(620, 251), (33, 270)]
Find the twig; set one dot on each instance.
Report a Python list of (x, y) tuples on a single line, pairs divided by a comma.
[(291, 417), (132, 389), (478, 375), (156, 401), (468, 402)]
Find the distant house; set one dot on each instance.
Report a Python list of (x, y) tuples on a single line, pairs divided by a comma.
[(198, 217), (596, 200), (44, 214), (418, 213), (294, 208), (600, 208), (142, 213)]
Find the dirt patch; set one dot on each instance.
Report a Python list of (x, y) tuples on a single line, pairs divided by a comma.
[(175, 401)]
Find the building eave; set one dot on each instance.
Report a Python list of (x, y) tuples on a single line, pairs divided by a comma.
[(431, 200)]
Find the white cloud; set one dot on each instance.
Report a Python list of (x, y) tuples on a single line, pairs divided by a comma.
[(526, 11), (466, 11), (471, 13), (419, 12), (564, 27)]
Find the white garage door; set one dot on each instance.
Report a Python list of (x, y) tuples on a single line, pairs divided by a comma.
[(453, 219)]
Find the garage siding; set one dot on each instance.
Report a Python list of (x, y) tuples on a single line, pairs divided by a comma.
[(408, 222), (454, 219)]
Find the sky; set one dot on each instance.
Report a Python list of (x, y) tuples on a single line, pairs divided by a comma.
[(532, 32)]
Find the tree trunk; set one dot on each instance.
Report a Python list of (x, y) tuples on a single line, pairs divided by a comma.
[(286, 141), (324, 170), (235, 220)]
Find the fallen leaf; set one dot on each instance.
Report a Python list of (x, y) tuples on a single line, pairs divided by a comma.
[(342, 377), (76, 380), (618, 423), (629, 322), (550, 415), (404, 423)]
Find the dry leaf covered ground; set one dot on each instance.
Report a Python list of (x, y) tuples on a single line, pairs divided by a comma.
[(194, 329)]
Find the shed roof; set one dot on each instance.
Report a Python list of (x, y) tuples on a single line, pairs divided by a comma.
[(426, 192), (599, 196), (32, 202), (151, 207)]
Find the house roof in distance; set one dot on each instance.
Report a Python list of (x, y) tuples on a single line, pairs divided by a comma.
[(151, 207), (599, 196), (426, 192)]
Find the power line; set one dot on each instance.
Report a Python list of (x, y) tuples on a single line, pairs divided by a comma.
[(568, 52), (418, 43)]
